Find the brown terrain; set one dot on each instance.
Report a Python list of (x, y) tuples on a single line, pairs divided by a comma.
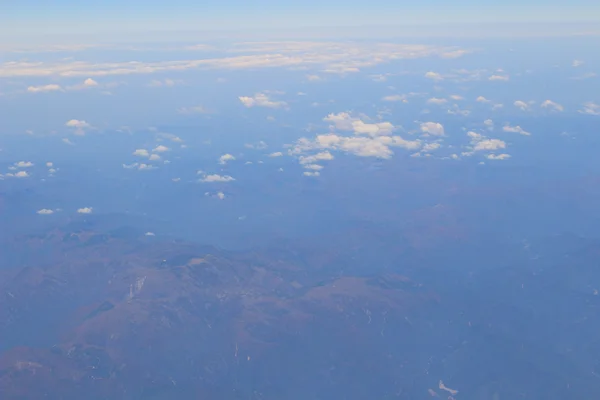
[(94, 315)]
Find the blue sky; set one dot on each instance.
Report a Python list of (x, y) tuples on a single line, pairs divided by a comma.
[(33, 17)]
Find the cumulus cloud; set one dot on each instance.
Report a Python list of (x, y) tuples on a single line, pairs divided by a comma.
[(515, 129), (456, 97), (362, 146), (217, 178), (489, 124), (431, 147), (490, 145), (322, 156), (396, 97), (590, 108), (345, 122), (146, 167), (141, 153), (89, 82), (432, 128), (164, 83), (45, 88), (85, 210), (314, 167), (312, 173), (521, 105), (435, 100), (220, 195), (552, 105), (257, 146), (475, 137), (261, 100), (499, 78), (577, 63), (226, 157), (24, 164), (45, 211), (276, 154), (434, 75), (482, 99), (154, 157), (79, 126), (161, 149), (502, 156), (20, 174)]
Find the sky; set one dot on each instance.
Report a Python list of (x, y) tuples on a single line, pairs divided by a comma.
[(34, 18), (399, 136)]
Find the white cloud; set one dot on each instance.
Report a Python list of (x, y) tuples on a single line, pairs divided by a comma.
[(220, 195), (430, 147), (261, 100), (331, 57), (435, 100), (552, 105), (516, 129), (482, 99), (577, 63), (226, 157), (502, 156), (161, 149), (475, 137), (497, 106), (24, 164), (521, 105), (312, 173), (322, 156), (217, 178), (68, 141), (456, 97), (362, 146), (432, 128), (146, 167), (154, 157), (79, 126), (45, 88), (590, 108), (313, 78), (498, 78), (89, 82), (258, 146), (165, 82), (141, 153), (49, 164), (85, 210), (20, 174), (130, 166), (396, 97), (345, 122), (276, 154), (490, 144), (434, 75), (149, 234), (314, 167), (45, 211)]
